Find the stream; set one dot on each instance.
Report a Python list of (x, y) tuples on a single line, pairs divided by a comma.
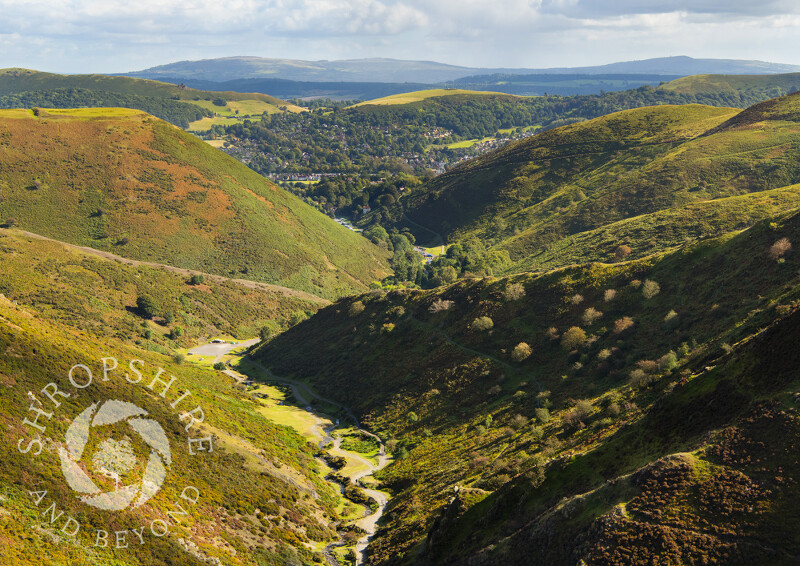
[(304, 396)]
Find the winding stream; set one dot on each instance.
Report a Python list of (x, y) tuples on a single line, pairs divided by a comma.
[(304, 395)]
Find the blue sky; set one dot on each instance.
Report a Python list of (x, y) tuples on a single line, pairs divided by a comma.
[(118, 36)]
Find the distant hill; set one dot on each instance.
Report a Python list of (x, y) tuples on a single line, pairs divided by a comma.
[(430, 72), (122, 181), (178, 104)]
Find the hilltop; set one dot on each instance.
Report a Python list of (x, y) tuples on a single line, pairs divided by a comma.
[(421, 95), (120, 180), (603, 412)]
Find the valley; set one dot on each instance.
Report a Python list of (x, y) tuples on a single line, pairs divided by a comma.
[(441, 327)]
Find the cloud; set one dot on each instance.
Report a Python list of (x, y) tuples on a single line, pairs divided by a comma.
[(115, 33)]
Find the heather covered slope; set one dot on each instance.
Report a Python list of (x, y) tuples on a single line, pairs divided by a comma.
[(529, 392), (550, 189), (262, 499), (122, 181)]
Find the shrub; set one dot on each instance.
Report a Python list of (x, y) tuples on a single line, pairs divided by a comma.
[(413, 417), (622, 252), (650, 289), (622, 324), (482, 324), (440, 305), (552, 333), (197, 279), (542, 415), (494, 390), (582, 409), (609, 295), (147, 306), (603, 354), (518, 421), (537, 433), (635, 283), (220, 366), (591, 315), (639, 378), (219, 102), (169, 317), (668, 361), (779, 248), (514, 292), (648, 366), (356, 308), (175, 333), (124, 241), (576, 299), (11, 222), (614, 409), (522, 351), (178, 358), (573, 338), (265, 333)]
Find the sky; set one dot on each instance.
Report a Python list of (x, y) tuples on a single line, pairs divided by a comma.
[(104, 36)]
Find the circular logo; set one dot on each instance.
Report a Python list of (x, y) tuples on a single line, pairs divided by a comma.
[(115, 459)]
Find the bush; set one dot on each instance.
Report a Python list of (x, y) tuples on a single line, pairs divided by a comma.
[(178, 358), (622, 252), (639, 378), (147, 306), (609, 295), (220, 366), (576, 299), (603, 354), (542, 415), (413, 417), (779, 248), (514, 292), (219, 102), (650, 289), (482, 324), (591, 315), (522, 351), (356, 308), (518, 421), (668, 361), (552, 333), (622, 324), (197, 279), (11, 222), (440, 305), (573, 338)]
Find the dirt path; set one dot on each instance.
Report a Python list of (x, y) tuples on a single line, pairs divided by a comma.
[(179, 270)]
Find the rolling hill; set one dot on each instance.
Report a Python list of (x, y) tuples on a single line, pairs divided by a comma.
[(609, 413), (120, 180), (178, 104), (626, 170), (431, 72)]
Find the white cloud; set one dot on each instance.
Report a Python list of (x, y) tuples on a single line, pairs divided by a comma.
[(117, 35)]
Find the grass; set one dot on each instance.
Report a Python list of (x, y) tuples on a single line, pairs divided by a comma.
[(421, 95), (138, 187)]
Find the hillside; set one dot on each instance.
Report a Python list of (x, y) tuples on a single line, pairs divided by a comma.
[(708, 84), (261, 498), (421, 95), (600, 412), (627, 170), (24, 88), (123, 181)]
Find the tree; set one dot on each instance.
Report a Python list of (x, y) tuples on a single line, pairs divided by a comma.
[(440, 305), (521, 352), (482, 324), (265, 333), (147, 306), (622, 324), (356, 308), (650, 289), (219, 366), (11, 222), (197, 279), (622, 252), (780, 248), (514, 292), (573, 338), (591, 315)]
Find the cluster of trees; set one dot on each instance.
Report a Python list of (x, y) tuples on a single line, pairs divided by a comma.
[(173, 111)]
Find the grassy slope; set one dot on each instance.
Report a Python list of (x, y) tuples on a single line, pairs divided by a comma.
[(396, 357), (713, 84), (77, 312), (421, 95), (110, 175), (532, 194)]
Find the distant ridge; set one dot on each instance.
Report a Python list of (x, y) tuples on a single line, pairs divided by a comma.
[(431, 72)]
